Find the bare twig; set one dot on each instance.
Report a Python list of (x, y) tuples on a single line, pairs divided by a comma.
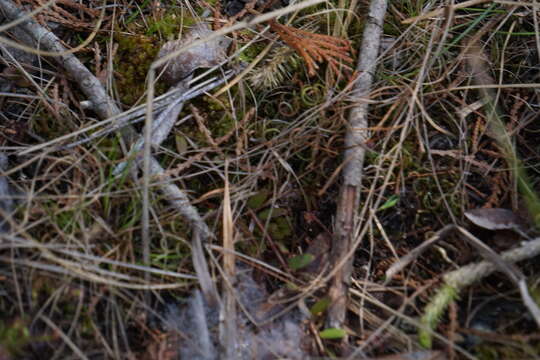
[(132, 116), (160, 128), (356, 136)]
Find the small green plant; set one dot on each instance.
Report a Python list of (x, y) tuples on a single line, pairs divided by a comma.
[(320, 306), (301, 261), (332, 334), (14, 337)]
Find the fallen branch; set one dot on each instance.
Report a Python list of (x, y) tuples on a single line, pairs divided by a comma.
[(129, 117), (356, 136), (104, 107), (137, 114)]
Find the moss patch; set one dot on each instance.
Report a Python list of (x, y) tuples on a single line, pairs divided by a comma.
[(134, 57)]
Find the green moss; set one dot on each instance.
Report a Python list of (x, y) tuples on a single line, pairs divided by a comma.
[(217, 118), (169, 26), (168, 253), (250, 53), (257, 200), (44, 123), (433, 313), (280, 228), (222, 126), (68, 218), (312, 95), (273, 213), (134, 56)]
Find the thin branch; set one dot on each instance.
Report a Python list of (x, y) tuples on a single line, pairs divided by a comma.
[(356, 136), (137, 114), (131, 116)]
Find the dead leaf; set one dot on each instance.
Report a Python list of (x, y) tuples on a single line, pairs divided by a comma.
[(208, 54), (494, 219)]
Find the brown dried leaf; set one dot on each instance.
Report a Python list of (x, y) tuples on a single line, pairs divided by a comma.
[(494, 218), (208, 54)]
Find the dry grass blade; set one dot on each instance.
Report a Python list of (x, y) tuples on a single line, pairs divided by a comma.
[(64, 337), (228, 329), (413, 254), (440, 11)]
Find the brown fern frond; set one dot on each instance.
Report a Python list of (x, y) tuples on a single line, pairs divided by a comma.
[(315, 48)]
